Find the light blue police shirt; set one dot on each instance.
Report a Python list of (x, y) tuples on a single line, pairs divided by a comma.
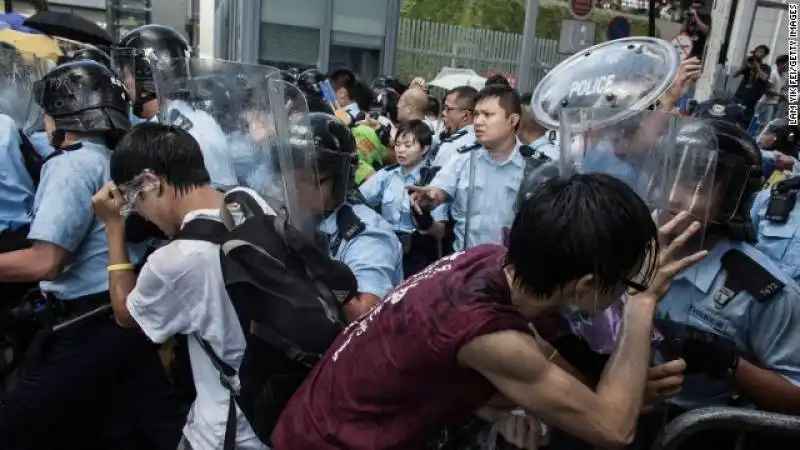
[(765, 333), (772, 155), (63, 215), (213, 143), (491, 203), (387, 189), (779, 241), (41, 143), (448, 147), (16, 186), (375, 255), (544, 146), (253, 165)]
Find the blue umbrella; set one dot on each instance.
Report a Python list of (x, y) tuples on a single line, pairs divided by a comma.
[(15, 21)]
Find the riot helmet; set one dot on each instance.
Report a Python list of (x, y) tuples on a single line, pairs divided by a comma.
[(89, 53), (83, 97), (308, 82), (532, 179), (151, 43), (384, 102), (336, 158)]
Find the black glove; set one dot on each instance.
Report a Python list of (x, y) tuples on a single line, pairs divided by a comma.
[(341, 281), (708, 353), (421, 221), (704, 352)]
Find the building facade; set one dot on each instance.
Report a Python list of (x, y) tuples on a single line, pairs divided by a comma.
[(327, 34)]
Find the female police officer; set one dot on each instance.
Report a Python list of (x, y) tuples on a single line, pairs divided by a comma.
[(80, 354)]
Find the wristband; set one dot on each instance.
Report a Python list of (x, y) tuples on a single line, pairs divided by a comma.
[(120, 267)]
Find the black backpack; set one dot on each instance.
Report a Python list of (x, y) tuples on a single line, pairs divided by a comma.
[(278, 282)]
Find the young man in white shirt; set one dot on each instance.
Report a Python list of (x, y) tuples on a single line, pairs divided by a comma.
[(158, 170)]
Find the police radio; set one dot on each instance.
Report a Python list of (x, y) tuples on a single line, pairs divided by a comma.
[(782, 200)]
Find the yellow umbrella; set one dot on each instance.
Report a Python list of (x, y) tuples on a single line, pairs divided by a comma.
[(37, 44)]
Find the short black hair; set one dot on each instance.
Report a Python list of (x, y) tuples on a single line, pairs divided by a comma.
[(526, 98), (497, 79), (419, 130), (465, 97), (508, 98), (166, 150), (434, 108), (588, 224), (345, 78), (766, 49), (782, 59)]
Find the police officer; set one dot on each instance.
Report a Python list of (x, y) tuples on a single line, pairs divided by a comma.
[(481, 184), (733, 314), (418, 233), (775, 214), (160, 48), (89, 53), (459, 133), (356, 235), (80, 358), (779, 147)]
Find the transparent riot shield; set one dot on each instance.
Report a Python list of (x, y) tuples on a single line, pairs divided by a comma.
[(296, 181), (669, 161), (18, 73), (225, 106)]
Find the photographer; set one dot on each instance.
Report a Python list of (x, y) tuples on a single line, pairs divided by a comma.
[(754, 83), (698, 26)]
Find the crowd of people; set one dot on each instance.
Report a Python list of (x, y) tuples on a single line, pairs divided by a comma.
[(203, 254)]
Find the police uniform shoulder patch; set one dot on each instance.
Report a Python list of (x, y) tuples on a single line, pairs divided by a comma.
[(468, 147), (454, 136), (526, 151), (745, 274), (179, 120)]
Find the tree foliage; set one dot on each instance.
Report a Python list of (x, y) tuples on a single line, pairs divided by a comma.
[(509, 16)]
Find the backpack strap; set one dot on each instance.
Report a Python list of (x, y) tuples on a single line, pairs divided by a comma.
[(207, 230), (348, 225), (251, 204), (225, 372), (32, 159)]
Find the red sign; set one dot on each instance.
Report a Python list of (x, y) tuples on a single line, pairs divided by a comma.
[(512, 79), (580, 8)]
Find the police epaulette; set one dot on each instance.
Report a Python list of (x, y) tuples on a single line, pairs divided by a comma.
[(468, 148), (452, 137), (745, 274), (526, 151)]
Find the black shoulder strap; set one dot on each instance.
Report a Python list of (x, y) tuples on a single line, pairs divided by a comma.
[(468, 148), (427, 174), (61, 151), (225, 372), (526, 151), (745, 274), (33, 160), (348, 225), (203, 230), (179, 120)]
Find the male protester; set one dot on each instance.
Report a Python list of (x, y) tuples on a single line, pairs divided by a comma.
[(158, 170), (532, 134), (769, 105), (448, 339), (755, 80), (346, 88), (481, 184), (457, 113), (86, 374)]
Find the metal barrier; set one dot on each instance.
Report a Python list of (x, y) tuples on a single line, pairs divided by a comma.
[(741, 419)]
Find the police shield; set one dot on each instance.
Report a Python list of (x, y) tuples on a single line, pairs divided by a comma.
[(671, 162), (626, 75), (18, 73), (225, 106), (295, 181)]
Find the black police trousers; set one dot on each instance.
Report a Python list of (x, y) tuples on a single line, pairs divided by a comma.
[(95, 385)]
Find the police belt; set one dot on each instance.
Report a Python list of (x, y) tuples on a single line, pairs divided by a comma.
[(416, 241), (62, 311)]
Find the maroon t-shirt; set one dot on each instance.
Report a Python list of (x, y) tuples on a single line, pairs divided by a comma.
[(391, 380)]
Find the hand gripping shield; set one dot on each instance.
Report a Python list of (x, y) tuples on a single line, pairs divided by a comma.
[(18, 73)]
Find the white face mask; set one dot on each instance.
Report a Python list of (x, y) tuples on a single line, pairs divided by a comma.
[(573, 314)]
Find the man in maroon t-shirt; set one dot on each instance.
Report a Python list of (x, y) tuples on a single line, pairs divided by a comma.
[(445, 341)]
